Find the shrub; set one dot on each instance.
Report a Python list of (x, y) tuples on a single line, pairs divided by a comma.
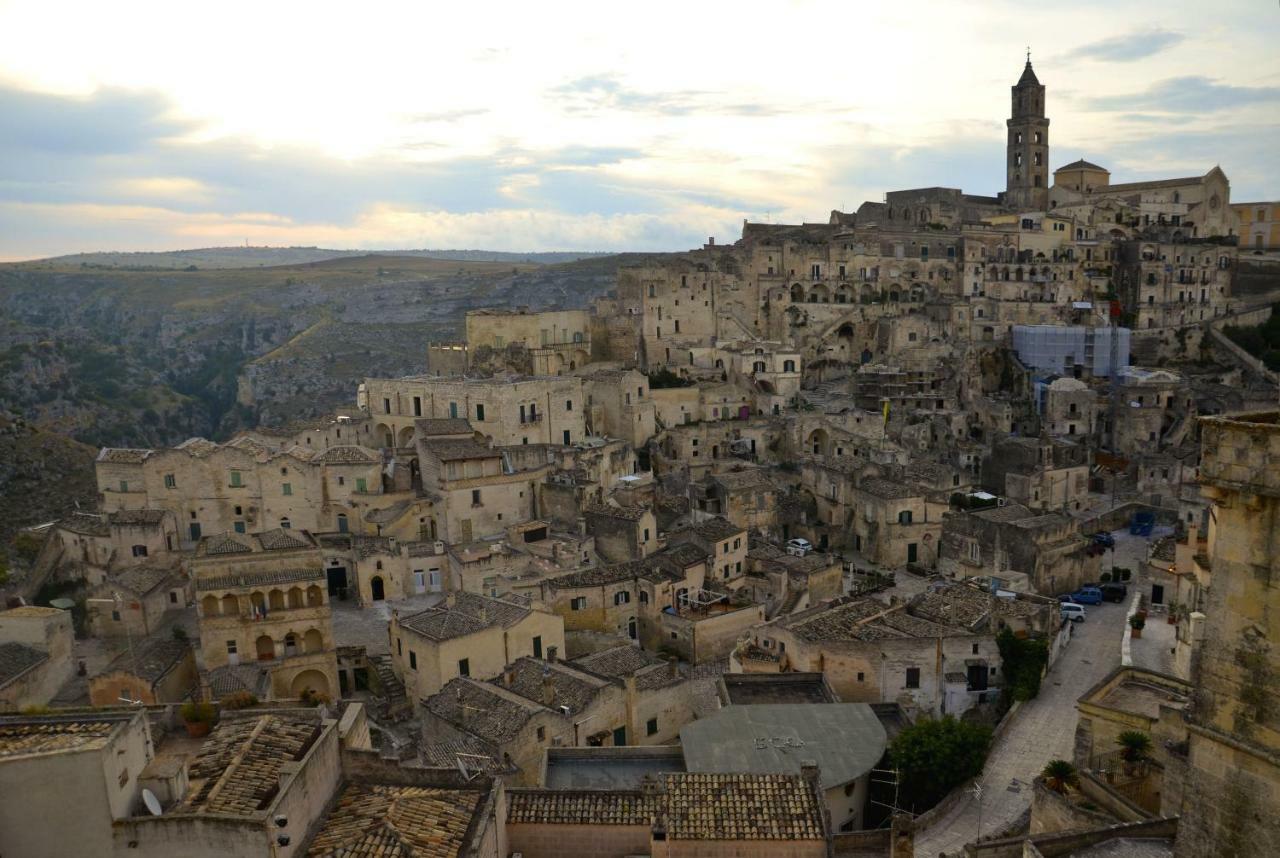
[(239, 700), (180, 634), (934, 756), (1059, 774), (1024, 660), (1105, 577), (310, 697), (1135, 745), (1137, 621), (197, 713)]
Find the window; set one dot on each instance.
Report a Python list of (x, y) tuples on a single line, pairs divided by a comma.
[(913, 677), (361, 485), (578, 603), (115, 615), (139, 551), (904, 517), (568, 405), (651, 727), (173, 598), (284, 524), (235, 479), (417, 406), (975, 551), (238, 526), (239, 511), (537, 646), (342, 481), (286, 488), (464, 667), (568, 437), (480, 411), (788, 366), (974, 648), (542, 731), (386, 405), (453, 409), (862, 677), (170, 481), (124, 485), (231, 647), (399, 647), (413, 660), (622, 597), (644, 597), (475, 497)]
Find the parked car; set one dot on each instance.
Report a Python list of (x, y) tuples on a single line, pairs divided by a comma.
[(799, 547), (1116, 591), (1087, 596), (1105, 539), (1071, 611)]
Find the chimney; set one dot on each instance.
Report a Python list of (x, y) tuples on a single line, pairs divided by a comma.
[(451, 600), (548, 688), (508, 676), (551, 653)]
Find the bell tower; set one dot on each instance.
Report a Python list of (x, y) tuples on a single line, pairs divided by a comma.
[(1027, 166)]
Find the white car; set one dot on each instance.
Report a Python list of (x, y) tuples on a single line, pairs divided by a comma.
[(799, 547), (1071, 611)]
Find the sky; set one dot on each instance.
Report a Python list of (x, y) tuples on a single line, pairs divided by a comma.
[(587, 126)]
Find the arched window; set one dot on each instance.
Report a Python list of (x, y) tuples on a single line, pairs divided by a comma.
[(265, 648), (276, 600), (230, 605), (313, 641), (209, 606), (284, 522), (291, 644), (315, 596), (295, 597)]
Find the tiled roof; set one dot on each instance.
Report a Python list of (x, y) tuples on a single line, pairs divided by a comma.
[(530, 676), (350, 454), (280, 539), (41, 736), (834, 621), (123, 455), (198, 447), (468, 614), (238, 768), (258, 579), (144, 578), (625, 660), (1081, 164), (428, 426), (741, 807), (402, 821), (151, 661), (231, 678), (665, 565), (736, 481), (444, 754), (137, 517), (86, 523), (888, 489), (693, 807), (716, 529), (628, 513), (16, 658), (367, 546), (457, 450), (225, 543), (483, 710)]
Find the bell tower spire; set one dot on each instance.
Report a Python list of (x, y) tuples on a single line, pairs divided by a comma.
[(1027, 149)]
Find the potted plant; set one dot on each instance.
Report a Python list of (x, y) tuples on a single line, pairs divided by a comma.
[(1059, 775), (1134, 748), (1175, 611), (1136, 624), (198, 718)]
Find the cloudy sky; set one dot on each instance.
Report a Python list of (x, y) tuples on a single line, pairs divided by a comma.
[(591, 126)]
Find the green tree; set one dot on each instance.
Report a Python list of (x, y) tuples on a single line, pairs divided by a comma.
[(934, 756), (1059, 774), (1024, 660)]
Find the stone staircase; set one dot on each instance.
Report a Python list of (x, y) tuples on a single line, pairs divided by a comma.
[(393, 703)]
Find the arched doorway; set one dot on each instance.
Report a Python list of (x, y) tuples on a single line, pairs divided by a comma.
[(313, 641), (265, 648), (309, 680), (377, 588), (632, 631)]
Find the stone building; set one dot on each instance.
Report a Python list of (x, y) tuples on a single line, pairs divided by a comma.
[(1259, 225), (1069, 407), (137, 600), (262, 598), (619, 405), (1046, 547), (1234, 755), (1040, 473), (507, 410), (555, 341), (723, 543), (35, 655), (159, 670), (659, 699), (621, 533), (467, 635)]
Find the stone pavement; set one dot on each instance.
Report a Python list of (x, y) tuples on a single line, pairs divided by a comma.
[(1041, 730)]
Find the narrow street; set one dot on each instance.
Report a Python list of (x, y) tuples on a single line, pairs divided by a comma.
[(1043, 729)]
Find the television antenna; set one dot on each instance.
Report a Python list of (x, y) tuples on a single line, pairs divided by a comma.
[(889, 777)]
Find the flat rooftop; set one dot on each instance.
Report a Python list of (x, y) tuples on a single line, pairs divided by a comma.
[(1142, 698), (745, 689), (610, 768)]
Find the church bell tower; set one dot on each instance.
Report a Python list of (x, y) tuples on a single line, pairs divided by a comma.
[(1027, 167)]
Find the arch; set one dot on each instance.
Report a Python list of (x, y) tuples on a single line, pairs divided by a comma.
[(275, 600), (313, 641), (844, 294), (819, 295), (581, 358), (295, 597), (291, 645), (632, 631), (258, 602), (382, 432), (797, 293), (265, 648), (315, 596), (230, 605), (377, 588), (309, 680), (405, 438), (209, 606), (818, 442)]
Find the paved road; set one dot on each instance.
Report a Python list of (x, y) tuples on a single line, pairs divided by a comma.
[(1042, 730)]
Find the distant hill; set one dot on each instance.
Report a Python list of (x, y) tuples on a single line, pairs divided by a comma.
[(42, 476), (264, 257)]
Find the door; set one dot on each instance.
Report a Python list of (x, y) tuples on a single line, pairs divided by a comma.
[(465, 524), (376, 586), (342, 522), (620, 736), (912, 553), (977, 677), (419, 581), (433, 580), (195, 531), (337, 580), (1157, 594)]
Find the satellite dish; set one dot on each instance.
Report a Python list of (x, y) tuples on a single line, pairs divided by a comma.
[(152, 803)]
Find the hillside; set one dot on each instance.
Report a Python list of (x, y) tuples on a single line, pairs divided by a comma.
[(145, 356), (260, 257), (42, 476)]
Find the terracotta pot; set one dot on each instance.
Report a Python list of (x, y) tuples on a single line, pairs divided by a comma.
[(1173, 619), (1136, 633), (196, 729)]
